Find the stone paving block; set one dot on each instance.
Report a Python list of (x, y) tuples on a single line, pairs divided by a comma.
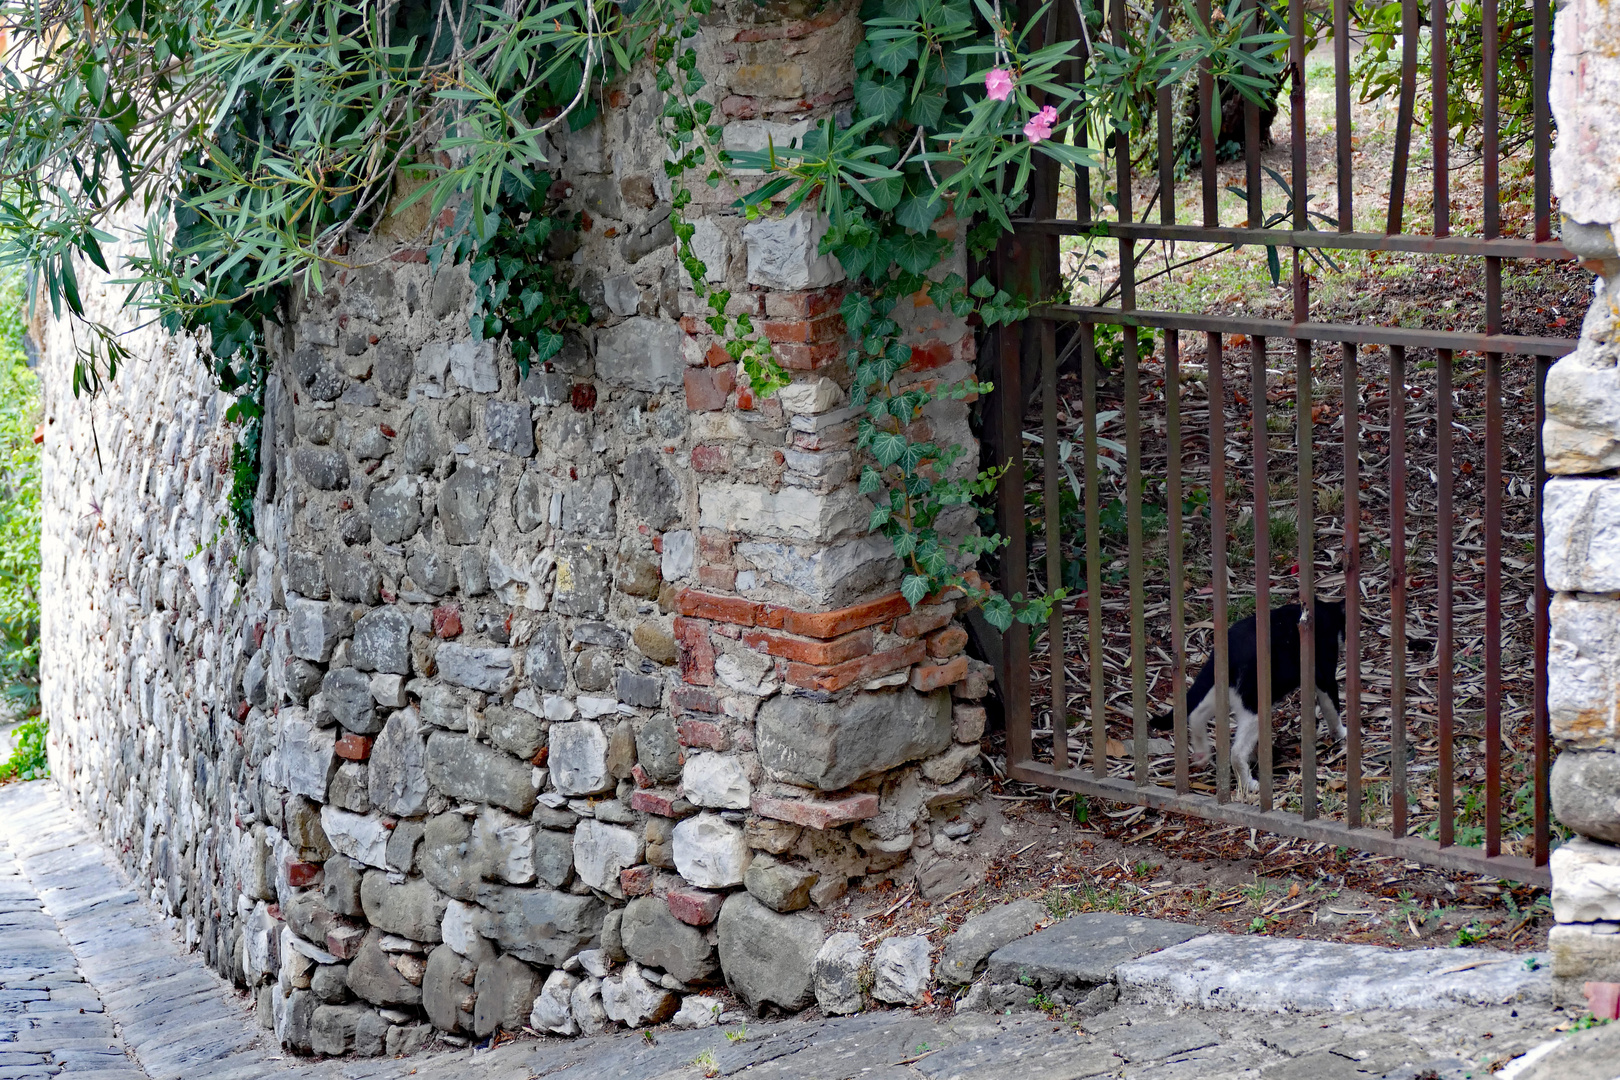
[(1083, 950), (1230, 971)]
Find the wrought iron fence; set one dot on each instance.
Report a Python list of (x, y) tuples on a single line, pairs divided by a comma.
[(1479, 677)]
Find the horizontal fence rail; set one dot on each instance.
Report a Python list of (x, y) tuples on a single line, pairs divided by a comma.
[(1384, 480)]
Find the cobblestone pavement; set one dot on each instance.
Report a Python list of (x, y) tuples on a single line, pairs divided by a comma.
[(94, 984)]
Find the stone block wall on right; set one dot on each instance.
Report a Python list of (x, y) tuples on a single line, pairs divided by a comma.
[(1581, 512)]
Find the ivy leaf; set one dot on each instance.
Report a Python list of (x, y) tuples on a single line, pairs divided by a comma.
[(916, 252), (887, 447), (914, 587), (881, 99), (856, 310), (885, 193), (918, 213), (871, 480), (982, 288), (893, 54), (926, 110)]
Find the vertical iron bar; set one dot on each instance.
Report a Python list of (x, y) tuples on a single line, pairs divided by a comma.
[(1397, 588), (1541, 67), (1208, 113), (1251, 142), (1439, 126), (1341, 114), (1352, 588), (1446, 638), (1305, 516), (1543, 633), (1178, 615), (1167, 134), (1218, 568), (1403, 122), (1094, 597), (1490, 118), (1262, 564), (1493, 603), (1056, 651), (1015, 556), (1296, 113)]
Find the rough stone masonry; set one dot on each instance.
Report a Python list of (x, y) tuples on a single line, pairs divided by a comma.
[(1581, 513), (548, 700)]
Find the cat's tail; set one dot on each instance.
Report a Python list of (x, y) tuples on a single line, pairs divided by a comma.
[(1163, 722)]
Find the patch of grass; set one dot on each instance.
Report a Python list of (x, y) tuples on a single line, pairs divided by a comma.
[(1472, 934), (707, 1063), (737, 1036), (28, 761)]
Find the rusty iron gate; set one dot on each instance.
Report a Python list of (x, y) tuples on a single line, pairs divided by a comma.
[(1029, 362)]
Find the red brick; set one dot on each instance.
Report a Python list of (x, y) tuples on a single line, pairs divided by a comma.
[(446, 621), (695, 907), (736, 107), (818, 813), (810, 650), (636, 880), (933, 676), (695, 650), (344, 941), (923, 620), (804, 331), (410, 255), (830, 624), (707, 458), (702, 734), (717, 577), (301, 875), (708, 388), (354, 747), (714, 546), (693, 325), (947, 642), (639, 775), (811, 357), (694, 699), (662, 803), (930, 355), (716, 356), (803, 305), (731, 609), (851, 672)]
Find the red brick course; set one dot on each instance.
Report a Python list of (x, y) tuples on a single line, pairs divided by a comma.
[(809, 650), (354, 747), (818, 813), (933, 676), (838, 676), (695, 907)]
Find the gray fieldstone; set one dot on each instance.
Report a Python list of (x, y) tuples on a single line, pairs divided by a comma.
[(578, 758), (767, 956), (622, 295), (294, 1018), (719, 781), (1585, 788), (302, 820), (507, 843), (472, 365), (1083, 950), (432, 570), (450, 860), (831, 745), (983, 934), (421, 444), (473, 666), (392, 368), (382, 642), (307, 754), (1583, 696), (587, 507), (633, 1001), (585, 1002), (652, 491), (359, 836), (531, 502), (374, 979), (642, 353), (553, 857), (514, 730), (582, 581), (546, 387), (710, 852), (779, 886), (1582, 520), (466, 769), (302, 679), (403, 843), (398, 766), (593, 670), (783, 253), (340, 885), (463, 930), (332, 1028), (348, 697), (305, 574), (396, 510), (652, 936), (509, 427), (837, 970), (506, 989), (539, 925), (658, 750), (322, 467), (698, 1011), (314, 628), (330, 983), (900, 970), (447, 993), (413, 909), (641, 691), (465, 501), (551, 1006), (388, 691), (544, 662), (353, 577), (602, 851), (349, 788)]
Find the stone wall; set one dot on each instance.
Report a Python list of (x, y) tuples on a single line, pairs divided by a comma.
[(542, 700), (1582, 513)]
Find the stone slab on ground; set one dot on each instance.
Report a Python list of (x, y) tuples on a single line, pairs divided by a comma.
[(1083, 949), (1233, 971)]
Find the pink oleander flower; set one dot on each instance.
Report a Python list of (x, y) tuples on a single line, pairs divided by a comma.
[(998, 84), (1040, 125)]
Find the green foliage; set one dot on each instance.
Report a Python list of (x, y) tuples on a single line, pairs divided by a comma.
[(28, 760), (19, 509)]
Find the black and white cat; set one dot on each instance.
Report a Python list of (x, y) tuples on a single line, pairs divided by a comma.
[(1242, 678)]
